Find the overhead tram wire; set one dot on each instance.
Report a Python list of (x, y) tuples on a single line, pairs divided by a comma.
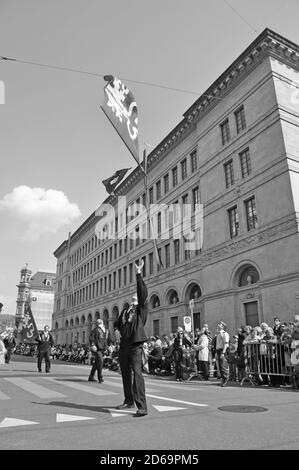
[(240, 16), (86, 72)]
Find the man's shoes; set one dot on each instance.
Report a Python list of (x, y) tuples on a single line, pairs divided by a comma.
[(39, 370), (124, 406), (224, 383), (101, 380), (91, 379), (140, 413)]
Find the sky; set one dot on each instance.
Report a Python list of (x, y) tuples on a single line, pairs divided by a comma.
[(56, 145)]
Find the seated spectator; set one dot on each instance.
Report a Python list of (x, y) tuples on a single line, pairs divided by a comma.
[(155, 355)]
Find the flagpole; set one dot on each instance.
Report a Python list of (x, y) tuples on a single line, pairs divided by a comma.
[(147, 206)]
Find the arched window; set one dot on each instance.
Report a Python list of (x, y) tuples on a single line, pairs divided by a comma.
[(66, 324), (105, 318), (154, 301), (72, 323), (172, 297), (83, 320), (193, 292), (77, 321), (56, 326), (247, 275), (97, 315)]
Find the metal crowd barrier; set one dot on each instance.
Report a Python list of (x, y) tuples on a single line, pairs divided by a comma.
[(265, 360)]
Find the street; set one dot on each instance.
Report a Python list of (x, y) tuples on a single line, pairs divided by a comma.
[(63, 411)]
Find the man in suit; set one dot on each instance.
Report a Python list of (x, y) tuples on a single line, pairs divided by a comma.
[(98, 344), (130, 324), (44, 344)]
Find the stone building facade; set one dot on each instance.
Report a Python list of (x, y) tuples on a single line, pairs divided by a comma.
[(230, 168)]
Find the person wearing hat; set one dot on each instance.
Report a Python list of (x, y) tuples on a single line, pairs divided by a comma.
[(222, 344), (98, 344), (130, 324)]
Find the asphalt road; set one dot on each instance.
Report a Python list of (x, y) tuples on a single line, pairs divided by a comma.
[(63, 411)]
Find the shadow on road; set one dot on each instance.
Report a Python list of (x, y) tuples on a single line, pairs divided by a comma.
[(77, 406)]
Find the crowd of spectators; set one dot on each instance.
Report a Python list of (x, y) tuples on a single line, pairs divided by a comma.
[(266, 354)]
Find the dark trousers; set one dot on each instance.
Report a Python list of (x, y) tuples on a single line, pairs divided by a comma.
[(7, 356), (97, 365), (178, 363), (130, 360), (223, 365), (43, 355), (204, 368)]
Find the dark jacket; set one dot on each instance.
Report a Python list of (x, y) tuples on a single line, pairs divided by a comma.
[(176, 343), (9, 343), (131, 321), (98, 338), (43, 344)]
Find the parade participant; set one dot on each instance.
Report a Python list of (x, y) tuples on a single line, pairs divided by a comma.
[(2, 351), (44, 344), (180, 342), (222, 344), (130, 324), (98, 344), (10, 345)]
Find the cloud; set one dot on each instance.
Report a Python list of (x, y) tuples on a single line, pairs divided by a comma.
[(43, 210)]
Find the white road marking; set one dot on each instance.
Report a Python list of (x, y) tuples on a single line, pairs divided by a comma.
[(175, 400), (168, 408), (62, 418), (9, 422), (116, 415), (112, 410), (3, 396), (35, 389), (83, 388)]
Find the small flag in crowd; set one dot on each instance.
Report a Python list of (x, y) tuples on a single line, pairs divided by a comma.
[(28, 330), (121, 109), (111, 183)]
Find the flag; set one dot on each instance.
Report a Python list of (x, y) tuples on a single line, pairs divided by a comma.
[(111, 183), (121, 109), (28, 330)]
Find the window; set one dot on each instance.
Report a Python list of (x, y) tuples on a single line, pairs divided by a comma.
[(120, 247), (175, 176), (151, 195), (125, 275), (251, 216), (229, 173), (195, 198), (159, 224), (158, 189), (193, 158), (166, 183), (184, 168), (119, 278), (114, 280), (115, 250), (173, 324), (233, 222), (185, 202), (167, 255), (176, 251), (225, 134), (151, 263), (240, 119), (159, 256), (110, 254), (245, 163), (131, 272), (187, 251), (156, 329)]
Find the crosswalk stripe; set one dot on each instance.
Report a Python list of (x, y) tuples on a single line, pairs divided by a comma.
[(167, 384), (10, 422), (62, 418), (119, 385), (176, 400), (35, 389), (3, 396), (83, 388)]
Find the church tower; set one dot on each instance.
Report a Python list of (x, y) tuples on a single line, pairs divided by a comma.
[(23, 292)]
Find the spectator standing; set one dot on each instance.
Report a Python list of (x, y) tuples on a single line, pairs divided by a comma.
[(222, 343), (181, 341), (98, 344), (202, 348), (44, 344), (10, 345)]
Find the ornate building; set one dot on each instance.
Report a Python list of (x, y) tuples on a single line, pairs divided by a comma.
[(39, 289), (230, 169)]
